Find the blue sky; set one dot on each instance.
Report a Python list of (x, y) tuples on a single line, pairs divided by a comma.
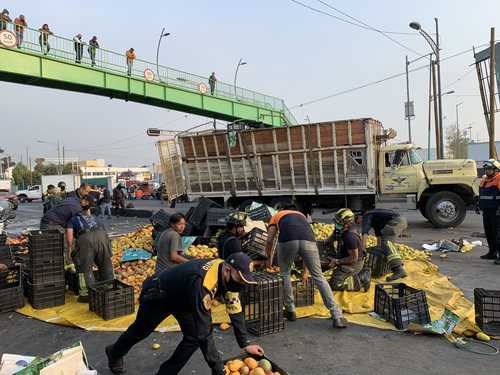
[(291, 52)]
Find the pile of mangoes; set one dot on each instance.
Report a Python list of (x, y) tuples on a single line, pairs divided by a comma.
[(201, 252), (249, 366), (322, 231)]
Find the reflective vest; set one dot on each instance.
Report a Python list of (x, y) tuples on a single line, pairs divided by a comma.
[(489, 192)]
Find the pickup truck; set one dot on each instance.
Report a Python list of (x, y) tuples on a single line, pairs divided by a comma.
[(328, 165), (32, 193)]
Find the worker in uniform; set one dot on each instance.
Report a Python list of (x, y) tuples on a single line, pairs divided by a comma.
[(92, 246), (296, 238), (186, 292), (387, 225), (62, 189), (349, 266), (229, 241), (50, 198), (489, 203)]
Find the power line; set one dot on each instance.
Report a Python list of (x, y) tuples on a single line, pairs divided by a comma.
[(370, 27), (347, 91), (365, 27), (469, 71)]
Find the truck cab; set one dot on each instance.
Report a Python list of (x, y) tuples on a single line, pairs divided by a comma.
[(440, 189)]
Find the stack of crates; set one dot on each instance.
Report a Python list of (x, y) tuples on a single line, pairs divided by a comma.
[(254, 244), (11, 289), (401, 305), (263, 304), (45, 283), (487, 310), (111, 299), (3, 239), (6, 256)]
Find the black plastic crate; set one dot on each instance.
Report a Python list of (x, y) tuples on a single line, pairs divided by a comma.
[(303, 292), (275, 367), (261, 213), (326, 251), (487, 310), (197, 218), (52, 274), (6, 256), (3, 239), (46, 295), (21, 254), (401, 304), (254, 244), (263, 304), (10, 277), (43, 237), (377, 262), (185, 208), (11, 299), (72, 281), (160, 219), (111, 299), (217, 217)]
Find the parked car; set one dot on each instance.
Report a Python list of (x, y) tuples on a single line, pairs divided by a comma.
[(32, 193)]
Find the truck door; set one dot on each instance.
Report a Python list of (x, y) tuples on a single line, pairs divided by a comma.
[(399, 176)]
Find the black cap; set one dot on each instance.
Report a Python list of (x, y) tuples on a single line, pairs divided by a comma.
[(243, 264)]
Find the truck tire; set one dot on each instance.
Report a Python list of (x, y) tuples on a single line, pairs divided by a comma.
[(422, 210), (445, 209), (22, 198)]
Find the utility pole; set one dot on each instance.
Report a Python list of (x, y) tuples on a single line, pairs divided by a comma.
[(429, 118), (457, 141), (438, 63), (407, 107), (439, 150), (491, 130)]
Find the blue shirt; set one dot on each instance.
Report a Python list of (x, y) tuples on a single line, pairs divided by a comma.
[(82, 223)]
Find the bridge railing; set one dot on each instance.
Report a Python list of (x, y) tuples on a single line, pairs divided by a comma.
[(61, 48)]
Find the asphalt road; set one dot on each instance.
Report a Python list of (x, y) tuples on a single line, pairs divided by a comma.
[(307, 346)]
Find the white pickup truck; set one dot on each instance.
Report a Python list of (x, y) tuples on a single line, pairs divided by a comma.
[(32, 193)]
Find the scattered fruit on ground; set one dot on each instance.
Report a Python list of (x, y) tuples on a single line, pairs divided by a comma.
[(155, 346), (482, 336), (442, 256), (201, 252)]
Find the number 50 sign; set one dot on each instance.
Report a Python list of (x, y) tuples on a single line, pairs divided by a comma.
[(8, 39)]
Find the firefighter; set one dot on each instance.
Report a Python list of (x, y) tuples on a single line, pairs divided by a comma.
[(349, 274), (92, 246), (387, 225), (489, 203), (186, 292)]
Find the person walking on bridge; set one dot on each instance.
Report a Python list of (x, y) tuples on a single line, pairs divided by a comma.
[(130, 55), (93, 45), (78, 42), (4, 19), (19, 25), (43, 39), (212, 81)]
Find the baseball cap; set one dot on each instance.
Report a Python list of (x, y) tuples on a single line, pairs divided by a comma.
[(243, 264)]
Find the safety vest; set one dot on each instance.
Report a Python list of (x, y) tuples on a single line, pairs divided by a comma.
[(489, 192)]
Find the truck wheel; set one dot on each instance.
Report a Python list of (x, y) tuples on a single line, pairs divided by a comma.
[(445, 209), (22, 198), (422, 210)]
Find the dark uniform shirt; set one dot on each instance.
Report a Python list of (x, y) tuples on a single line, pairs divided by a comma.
[(377, 219), (292, 225), (351, 240), (228, 244), (191, 287), (489, 192), (62, 213), (82, 223)]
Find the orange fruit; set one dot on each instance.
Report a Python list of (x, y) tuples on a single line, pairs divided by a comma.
[(251, 363)]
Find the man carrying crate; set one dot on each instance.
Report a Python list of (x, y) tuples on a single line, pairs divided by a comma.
[(186, 292), (296, 238), (387, 225)]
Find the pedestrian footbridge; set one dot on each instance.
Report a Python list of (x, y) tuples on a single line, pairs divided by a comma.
[(159, 86)]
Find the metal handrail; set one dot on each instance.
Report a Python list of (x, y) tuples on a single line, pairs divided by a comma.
[(62, 48)]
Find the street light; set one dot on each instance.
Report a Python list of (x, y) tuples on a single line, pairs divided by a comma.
[(434, 44), (162, 35), (58, 153), (240, 63)]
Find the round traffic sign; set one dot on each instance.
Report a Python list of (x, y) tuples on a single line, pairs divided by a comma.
[(8, 39), (202, 88), (149, 75)]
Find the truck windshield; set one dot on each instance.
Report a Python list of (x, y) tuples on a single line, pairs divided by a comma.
[(414, 156)]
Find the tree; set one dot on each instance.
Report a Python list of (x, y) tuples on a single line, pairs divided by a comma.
[(23, 177), (456, 143)]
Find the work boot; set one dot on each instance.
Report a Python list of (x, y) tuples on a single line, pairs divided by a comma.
[(339, 322), (488, 256), (291, 316), (115, 364), (397, 273), (497, 261)]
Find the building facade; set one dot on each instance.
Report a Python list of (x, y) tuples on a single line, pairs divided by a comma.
[(99, 168)]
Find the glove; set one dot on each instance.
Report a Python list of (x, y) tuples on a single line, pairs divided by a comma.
[(70, 267)]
